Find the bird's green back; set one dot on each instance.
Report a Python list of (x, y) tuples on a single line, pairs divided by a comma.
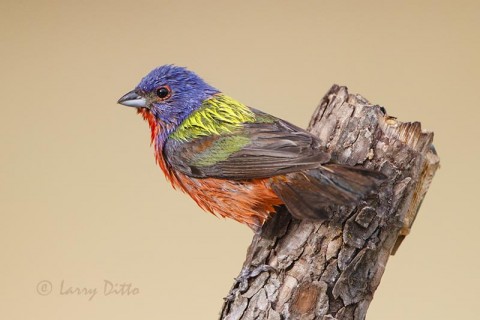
[(216, 116)]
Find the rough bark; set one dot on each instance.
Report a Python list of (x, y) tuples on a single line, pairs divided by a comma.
[(330, 270)]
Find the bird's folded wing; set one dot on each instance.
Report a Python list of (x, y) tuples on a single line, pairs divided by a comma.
[(253, 150)]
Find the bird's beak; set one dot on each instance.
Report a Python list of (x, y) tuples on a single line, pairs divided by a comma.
[(132, 99)]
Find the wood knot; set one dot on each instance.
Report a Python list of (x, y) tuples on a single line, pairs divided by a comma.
[(305, 299)]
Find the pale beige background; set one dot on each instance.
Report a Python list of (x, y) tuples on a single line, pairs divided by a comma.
[(81, 199)]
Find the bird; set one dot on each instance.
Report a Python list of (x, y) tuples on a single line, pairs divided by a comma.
[(236, 161)]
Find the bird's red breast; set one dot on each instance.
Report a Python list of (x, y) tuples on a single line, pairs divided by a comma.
[(249, 202)]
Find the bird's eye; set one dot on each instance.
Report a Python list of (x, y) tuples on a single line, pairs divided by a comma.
[(164, 92)]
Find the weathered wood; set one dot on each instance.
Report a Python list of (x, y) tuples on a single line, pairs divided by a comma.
[(330, 270)]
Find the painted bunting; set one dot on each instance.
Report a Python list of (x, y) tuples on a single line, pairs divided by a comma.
[(236, 161)]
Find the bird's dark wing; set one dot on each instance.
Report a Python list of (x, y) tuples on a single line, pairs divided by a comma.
[(254, 150)]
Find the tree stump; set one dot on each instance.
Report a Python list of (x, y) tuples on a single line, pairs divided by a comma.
[(330, 270)]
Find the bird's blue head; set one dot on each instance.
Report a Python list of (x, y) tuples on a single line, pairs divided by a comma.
[(167, 95)]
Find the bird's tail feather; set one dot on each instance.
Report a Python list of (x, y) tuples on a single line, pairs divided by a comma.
[(308, 194)]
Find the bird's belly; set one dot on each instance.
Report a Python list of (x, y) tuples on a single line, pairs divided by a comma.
[(250, 202)]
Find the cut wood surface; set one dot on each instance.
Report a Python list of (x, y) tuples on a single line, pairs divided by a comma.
[(330, 270)]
